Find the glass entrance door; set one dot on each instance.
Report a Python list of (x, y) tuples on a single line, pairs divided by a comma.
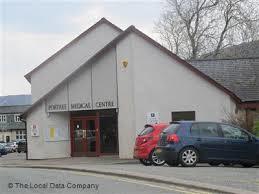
[(85, 136), (78, 137)]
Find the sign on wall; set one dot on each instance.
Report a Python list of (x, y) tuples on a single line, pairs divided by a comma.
[(152, 117), (56, 134), (35, 132)]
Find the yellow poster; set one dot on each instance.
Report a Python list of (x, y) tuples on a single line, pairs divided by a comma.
[(52, 133)]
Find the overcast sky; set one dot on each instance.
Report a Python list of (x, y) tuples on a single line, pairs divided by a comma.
[(32, 30)]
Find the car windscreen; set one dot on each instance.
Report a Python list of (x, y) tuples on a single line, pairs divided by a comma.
[(172, 128), (146, 131)]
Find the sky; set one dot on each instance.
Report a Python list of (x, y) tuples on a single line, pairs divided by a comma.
[(33, 30)]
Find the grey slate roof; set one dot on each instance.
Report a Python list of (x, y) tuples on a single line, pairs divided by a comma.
[(13, 109), (241, 76), (15, 100), (244, 50)]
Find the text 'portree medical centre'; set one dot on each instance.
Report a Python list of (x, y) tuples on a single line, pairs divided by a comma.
[(94, 95)]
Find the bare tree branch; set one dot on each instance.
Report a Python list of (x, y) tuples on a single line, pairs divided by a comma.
[(194, 27)]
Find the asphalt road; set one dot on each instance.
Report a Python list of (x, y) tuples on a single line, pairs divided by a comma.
[(19, 180), (237, 177)]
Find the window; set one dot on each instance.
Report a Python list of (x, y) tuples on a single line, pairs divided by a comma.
[(146, 131), (207, 130), (195, 130), (17, 118), (2, 118), (183, 115), (21, 134), (234, 133), (172, 128)]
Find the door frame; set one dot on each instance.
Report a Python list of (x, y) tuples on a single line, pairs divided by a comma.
[(72, 142)]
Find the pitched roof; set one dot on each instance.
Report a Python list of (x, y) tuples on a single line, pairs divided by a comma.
[(244, 50), (101, 21), (240, 76), (150, 40), (13, 109), (15, 100)]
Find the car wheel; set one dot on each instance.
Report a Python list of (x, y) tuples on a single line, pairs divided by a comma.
[(188, 157), (214, 163), (155, 160), (19, 151), (172, 163), (145, 162), (247, 165)]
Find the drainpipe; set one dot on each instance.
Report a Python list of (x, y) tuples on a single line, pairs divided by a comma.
[(247, 119), (24, 121)]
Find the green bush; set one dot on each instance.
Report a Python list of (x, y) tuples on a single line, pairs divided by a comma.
[(256, 128)]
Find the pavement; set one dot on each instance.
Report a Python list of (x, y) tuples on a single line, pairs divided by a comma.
[(220, 179)]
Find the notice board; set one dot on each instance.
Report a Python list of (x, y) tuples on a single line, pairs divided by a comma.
[(53, 133)]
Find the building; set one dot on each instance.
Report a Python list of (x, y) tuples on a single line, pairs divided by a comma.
[(237, 69), (94, 95), (11, 127)]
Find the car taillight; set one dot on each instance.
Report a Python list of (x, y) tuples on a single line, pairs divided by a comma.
[(173, 138)]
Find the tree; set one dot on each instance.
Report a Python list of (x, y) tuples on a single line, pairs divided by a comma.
[(190, 28)]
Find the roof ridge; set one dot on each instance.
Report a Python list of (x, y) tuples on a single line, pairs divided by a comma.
[(16, 95), (101, 21), (219, 59)]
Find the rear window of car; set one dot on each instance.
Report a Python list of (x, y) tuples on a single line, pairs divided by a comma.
[(146, 131), (172, 128)]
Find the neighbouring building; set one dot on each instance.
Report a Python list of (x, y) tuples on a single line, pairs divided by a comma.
[(94, 95), (11, 127), (237, 69)]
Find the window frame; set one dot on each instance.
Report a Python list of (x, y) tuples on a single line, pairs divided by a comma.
[(233, 126), (3, 118), (219, 131), (183, 112), (20, 134), (15, 118)]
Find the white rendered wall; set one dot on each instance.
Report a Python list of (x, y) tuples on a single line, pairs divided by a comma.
[(163, 85), (126, 100), (93, 84), (104, 81), (53, 72), (38, 148), (79, 90), (154, 82)]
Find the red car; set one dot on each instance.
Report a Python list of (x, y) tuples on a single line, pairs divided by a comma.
[(146, 142)]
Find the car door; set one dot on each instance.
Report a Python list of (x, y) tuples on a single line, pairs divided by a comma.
[(239, 145), (210, 141)]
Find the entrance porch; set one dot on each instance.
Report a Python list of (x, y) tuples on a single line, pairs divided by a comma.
[(94, 133)]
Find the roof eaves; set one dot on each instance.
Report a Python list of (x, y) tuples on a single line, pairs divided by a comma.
[(101, 21)]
